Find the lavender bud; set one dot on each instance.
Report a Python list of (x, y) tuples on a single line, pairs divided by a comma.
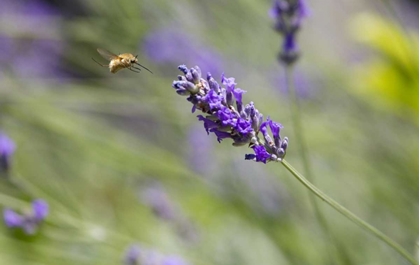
[(284, 143), (289, 53), (195, 76), (212, 83), (183, 69)]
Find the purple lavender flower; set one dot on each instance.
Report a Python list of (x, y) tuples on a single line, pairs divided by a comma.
[(132, 255), (173, 260), (12, 219), (40, 209), (170, 45), (7, 148), (30, 221), (264, 195), (26, 57), (136, 255), (243, 125), (199, 158), (288, 15), (157, 199), (261, 155), (290, 52), (305, 86)]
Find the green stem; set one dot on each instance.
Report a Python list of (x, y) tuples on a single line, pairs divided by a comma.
[(296, 120), (301, 146), (351, 216)]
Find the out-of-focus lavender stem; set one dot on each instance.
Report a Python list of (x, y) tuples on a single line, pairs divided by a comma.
[(349, 215)]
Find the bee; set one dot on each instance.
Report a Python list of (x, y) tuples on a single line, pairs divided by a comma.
[(118, 62)]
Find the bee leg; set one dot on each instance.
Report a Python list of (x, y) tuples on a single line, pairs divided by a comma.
[(136, 68), (144, 67), (103, 65), (133, 70)]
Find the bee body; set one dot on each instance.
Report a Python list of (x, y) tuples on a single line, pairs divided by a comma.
[(118, 62)]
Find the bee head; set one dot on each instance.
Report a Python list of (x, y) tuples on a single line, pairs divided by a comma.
[(134, 59)]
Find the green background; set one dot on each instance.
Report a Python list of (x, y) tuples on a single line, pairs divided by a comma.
[(92, 142)]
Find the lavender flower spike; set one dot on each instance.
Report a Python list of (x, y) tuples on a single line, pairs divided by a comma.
[(243, 124), (136, 255), (7, 148), (132, 255), (30, 221), (288, 15)]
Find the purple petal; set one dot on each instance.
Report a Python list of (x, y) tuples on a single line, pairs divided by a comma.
[(229, 83), (275, 128), (40, 209), (261, 154), (174, 260), (237, 92), (12, 219), (132, 255), (250, 157), (289, 44), (214, 100), (243, 126), (221, 135), (7, 146), (226, 116), (208, 124), (303, 9)]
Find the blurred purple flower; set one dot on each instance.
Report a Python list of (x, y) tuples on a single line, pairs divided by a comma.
[(242, 124), (172, 46), (31, 57), (264, 195), (132, 255), (173, 260), (288, 15), (304, 84), (40, 209), (136, 255), (6, 47), (7, 148), (40, 59), (12, 219), (290, 50), (199, 158), (261, 155), (29, 222), (155, 197)]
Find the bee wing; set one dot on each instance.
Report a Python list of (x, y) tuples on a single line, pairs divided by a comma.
[(107, 54)]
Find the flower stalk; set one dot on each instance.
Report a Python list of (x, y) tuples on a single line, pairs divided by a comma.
[(349, 215), (227, 118)]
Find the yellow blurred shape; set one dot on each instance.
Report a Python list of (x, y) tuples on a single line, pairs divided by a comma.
[(388, 80)]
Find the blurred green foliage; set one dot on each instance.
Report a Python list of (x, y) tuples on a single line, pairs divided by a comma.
[(90, 142)]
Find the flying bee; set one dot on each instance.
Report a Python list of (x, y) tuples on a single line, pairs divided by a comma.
[(118, 62)]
